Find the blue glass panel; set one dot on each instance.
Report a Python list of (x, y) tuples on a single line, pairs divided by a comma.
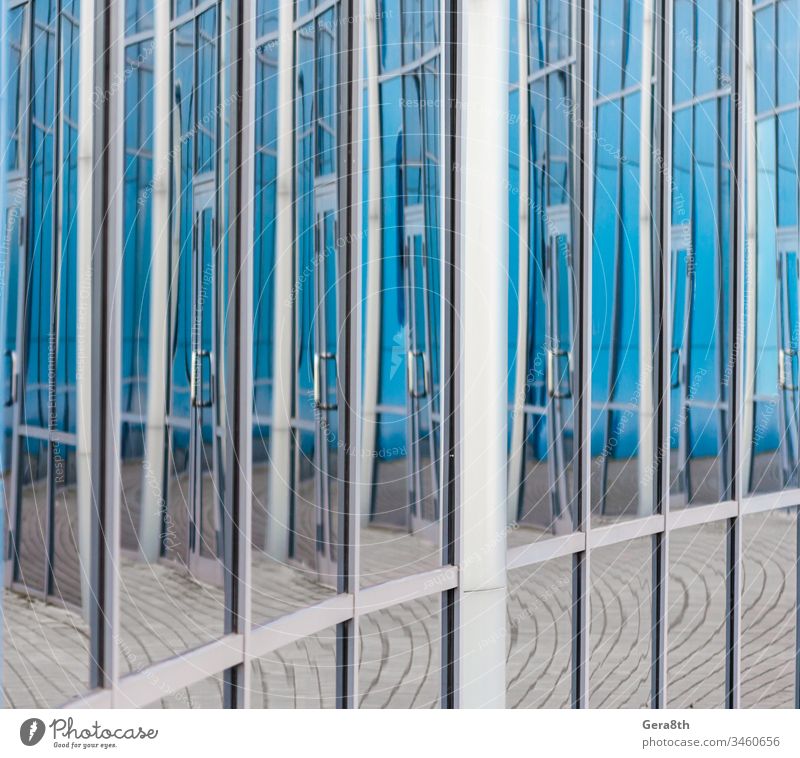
[(182, 174), (612, 47), (788, 145), (207, 110), (137, 243), (788, 51), (66, 354), (138, 16), (14, 123), (411, 23), (558, 137), (707, 51), (39, 279), (537, 34), (390, 33), (765, 58), (632, 64), (181, 6), (264, 220), (266, 17), (683, 51), (765, 296), (326, 93), (558, 30)]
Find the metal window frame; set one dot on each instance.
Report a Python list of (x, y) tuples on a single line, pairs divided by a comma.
[(232, 653)]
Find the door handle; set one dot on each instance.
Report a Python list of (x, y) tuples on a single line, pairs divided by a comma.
[(411, 374), (321, 404), (196, 391), (553, 388), (783, 354), (14, 379), (677, 377)]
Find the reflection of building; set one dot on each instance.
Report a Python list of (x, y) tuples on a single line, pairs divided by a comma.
[(577, 336)]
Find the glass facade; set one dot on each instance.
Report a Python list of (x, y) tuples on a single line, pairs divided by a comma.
[(649, 461)]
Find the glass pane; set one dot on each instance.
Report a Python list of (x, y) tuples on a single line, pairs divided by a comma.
[(69, 574), (299, 675), (45, 653), (401, 312), (697, 597), (46, 645), (771, 413), (769, 609), (543, 277), (206, 693), (32, 516), (700, 466), (623, 308), (621, 603), (64, 412), (400, 656), (539, 666)]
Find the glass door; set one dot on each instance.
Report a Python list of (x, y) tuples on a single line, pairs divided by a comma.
[(314, 447), (205, 482), (559, 330), (421, 419), (42, 359), (15, 241), (315, 422), (545, 497), (326, 425), (682, 289), (192, 521)]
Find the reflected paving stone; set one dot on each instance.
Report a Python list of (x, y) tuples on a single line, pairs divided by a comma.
[(46, 647), (46, 653), (539, 643)]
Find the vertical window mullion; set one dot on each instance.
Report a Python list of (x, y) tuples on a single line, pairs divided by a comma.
[(736, 253), (582, 196), (662, 222)]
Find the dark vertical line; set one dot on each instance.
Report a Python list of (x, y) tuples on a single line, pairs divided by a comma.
[(582, 224), (234, 505), (100, 464), (662, 214), (348, 166), (451, 86), (736, 253)]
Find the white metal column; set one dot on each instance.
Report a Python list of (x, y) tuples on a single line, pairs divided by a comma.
[(280, 482), (372, 322), (646, 357), (107, 115), (83, 389), (751, 246), (153, 497), (518, 420), (482, 373)]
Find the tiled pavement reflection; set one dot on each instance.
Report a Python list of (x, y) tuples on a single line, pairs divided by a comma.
[(47, 647)]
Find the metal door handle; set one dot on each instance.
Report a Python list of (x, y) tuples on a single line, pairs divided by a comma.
[(14, 377), (411, 374), (678, 381), (553, 389), (783, 354), (318, 401), (195, 390)]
